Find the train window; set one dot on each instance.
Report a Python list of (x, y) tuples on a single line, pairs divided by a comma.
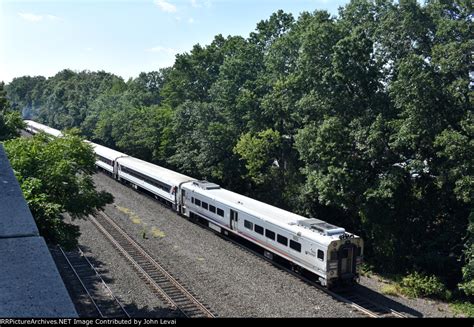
[(197, 202), (204, 205), (248, 224), (333, 255), (212, 208), (107, 161), (359, 251), (258, 229), (220, 212), (192, 199), (151, 181), (295, 246), (320, 255), (282, 240), (270, 234)]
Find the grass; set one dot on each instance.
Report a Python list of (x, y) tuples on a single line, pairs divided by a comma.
[(391, 289), (155, 231), (133, 216), (463, 309)]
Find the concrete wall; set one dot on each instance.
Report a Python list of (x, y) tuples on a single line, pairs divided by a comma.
[(30, 284)]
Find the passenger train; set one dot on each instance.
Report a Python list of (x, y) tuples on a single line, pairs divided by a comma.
[(310, 244)]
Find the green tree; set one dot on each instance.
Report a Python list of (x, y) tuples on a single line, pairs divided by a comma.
[(193, 74), (203, 143), (56, 178), (457, 147), (26, 94), (145, 89), (467, 285), (67, 97), (138, 131), (10, 121), (260, 153)]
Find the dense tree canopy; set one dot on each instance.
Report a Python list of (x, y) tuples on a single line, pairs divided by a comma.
[(10, 121), (364, 120)]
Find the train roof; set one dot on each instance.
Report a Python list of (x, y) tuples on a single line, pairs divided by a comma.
[(311, 228), (46, 129), (98, 149), (154, 171), (106, 152)]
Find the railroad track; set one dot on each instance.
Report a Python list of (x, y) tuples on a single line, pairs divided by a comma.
[(167, 287), (366, 305), (99, 299), (348, 296)]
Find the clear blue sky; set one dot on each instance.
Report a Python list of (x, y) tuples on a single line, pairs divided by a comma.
[(42, 37)]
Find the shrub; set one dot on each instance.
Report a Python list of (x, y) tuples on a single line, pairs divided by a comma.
[(366, 270), (418, 285)]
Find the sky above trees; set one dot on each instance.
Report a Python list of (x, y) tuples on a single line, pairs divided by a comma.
[(40, 37)]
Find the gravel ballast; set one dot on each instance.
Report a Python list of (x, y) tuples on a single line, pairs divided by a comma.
[(230, 280), (124, 282)]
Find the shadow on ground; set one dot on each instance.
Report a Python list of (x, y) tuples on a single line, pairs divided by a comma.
[(103, 304)]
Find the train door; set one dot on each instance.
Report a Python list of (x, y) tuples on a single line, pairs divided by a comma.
[(115, 169), (234, 218), (346, 260), (183, 196)]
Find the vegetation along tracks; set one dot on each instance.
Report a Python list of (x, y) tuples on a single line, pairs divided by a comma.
[(161, 281)]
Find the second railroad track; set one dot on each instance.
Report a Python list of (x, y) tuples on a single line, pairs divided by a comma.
[(168, 288)]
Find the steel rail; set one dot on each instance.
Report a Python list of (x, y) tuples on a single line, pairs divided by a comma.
[(169, 296), (104, 283), (80, 281)]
